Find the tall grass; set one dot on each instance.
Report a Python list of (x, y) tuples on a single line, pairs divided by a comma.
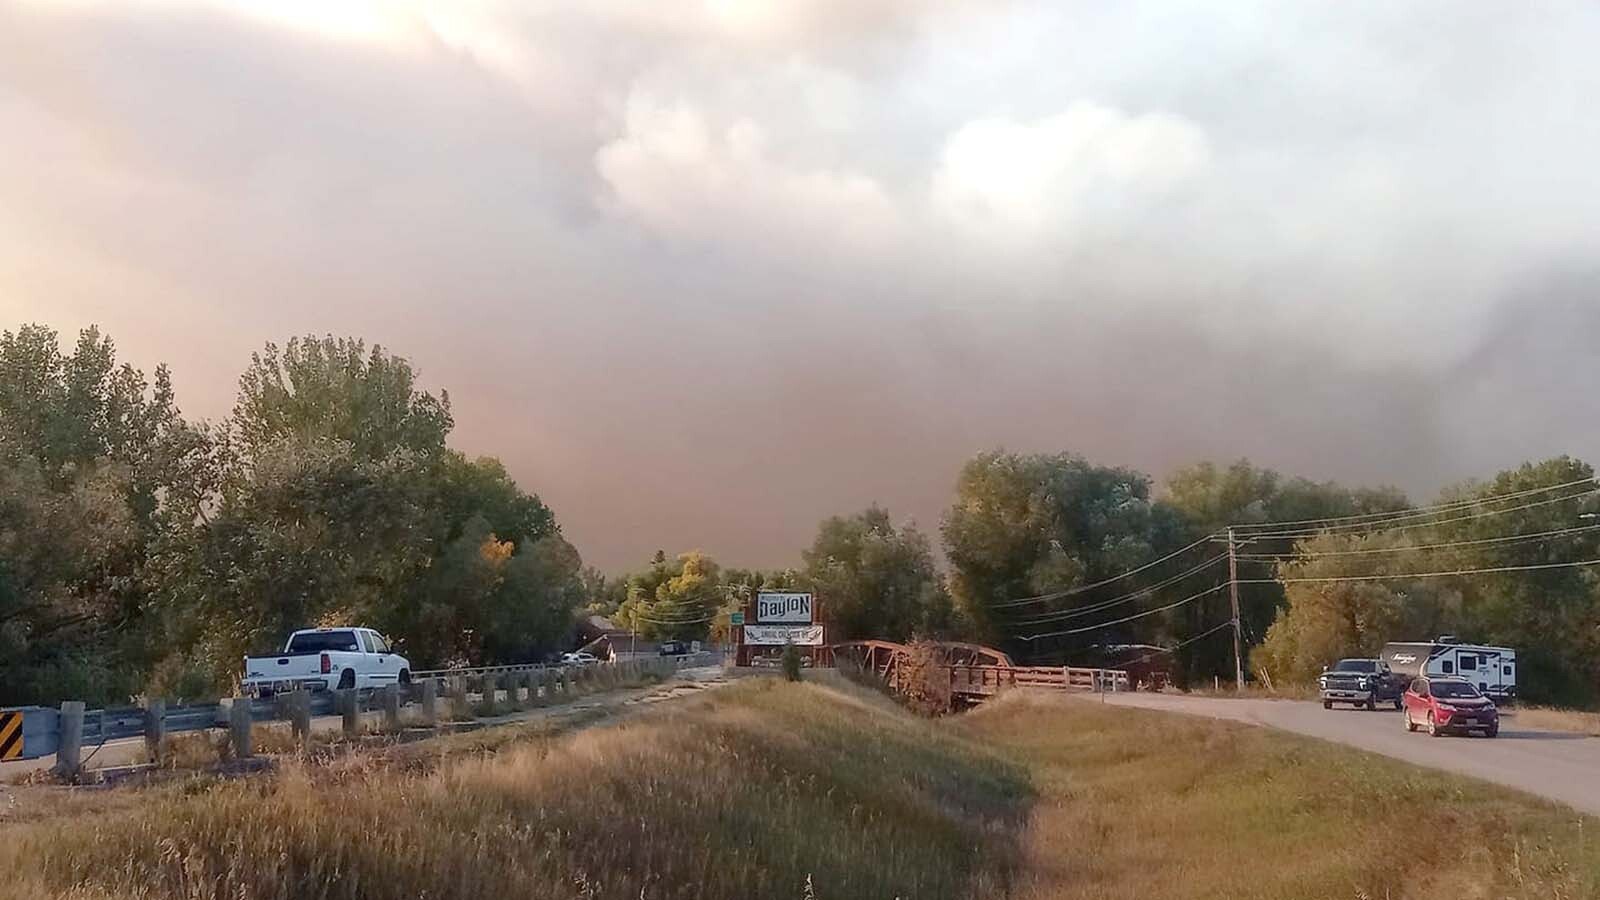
[(1142, 804), (753, 792), (773, 789)]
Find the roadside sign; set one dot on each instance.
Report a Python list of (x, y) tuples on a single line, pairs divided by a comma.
[(786, 608), (11, 734), (736, 618)]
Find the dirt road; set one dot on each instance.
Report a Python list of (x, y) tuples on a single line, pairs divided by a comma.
[(1556, 765)]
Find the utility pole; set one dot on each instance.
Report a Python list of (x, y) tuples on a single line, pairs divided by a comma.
[(1233, 596)]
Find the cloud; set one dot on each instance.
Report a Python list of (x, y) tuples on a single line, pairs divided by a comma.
[(675, 173), (703, 273), (1075, 169)]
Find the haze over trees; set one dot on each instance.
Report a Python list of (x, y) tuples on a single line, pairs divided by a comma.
[(140, 551)]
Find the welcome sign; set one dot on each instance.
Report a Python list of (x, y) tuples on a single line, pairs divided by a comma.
[(778, 635), (782, 608)]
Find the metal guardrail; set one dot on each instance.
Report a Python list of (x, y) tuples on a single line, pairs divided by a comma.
[(41, 725)]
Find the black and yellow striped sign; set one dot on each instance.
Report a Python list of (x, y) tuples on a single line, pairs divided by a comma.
[(11, 735)]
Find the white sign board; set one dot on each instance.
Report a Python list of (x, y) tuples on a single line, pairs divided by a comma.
[(787, 609), (778, 635)]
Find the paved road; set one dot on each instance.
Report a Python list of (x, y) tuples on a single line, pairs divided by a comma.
[(1555, 765)]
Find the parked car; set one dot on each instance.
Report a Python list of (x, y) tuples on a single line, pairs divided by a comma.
[(321, 659), (580, 658), (1492, 669), (1362, 682), (1449, 705), (673, 648)]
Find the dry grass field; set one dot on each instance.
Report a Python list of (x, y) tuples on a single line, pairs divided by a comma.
[(771, 790)]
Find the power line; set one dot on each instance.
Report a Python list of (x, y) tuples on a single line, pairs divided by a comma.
[(1334, 578), (1151, 612), (1506, 539), (1421, 510), (1174, 648), (644, 618), (1057, 595), (1384, 530), (1114, 601)]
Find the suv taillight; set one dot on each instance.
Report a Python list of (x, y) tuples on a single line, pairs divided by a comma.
[(327, 664)]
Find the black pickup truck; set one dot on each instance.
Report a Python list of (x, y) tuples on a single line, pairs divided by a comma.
[(1361, 682)]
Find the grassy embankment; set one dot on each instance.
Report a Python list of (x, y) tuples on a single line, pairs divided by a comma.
[(787, 791)]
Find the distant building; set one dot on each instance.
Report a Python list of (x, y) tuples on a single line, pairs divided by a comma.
[(605, 639)]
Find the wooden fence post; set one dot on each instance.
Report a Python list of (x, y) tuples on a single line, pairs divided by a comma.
[(239, 724), (155, 730), (69, 749)]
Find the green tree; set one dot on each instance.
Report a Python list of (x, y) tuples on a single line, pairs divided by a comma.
[(95, 461), (1551, 615), (677, 599), (1209, 498), (877, 581), (1025, 525), (335, 388)]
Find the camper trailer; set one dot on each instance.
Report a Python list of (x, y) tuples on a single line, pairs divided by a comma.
[(1492, 669)]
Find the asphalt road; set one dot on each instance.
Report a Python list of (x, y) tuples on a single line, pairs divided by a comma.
[(1555, 765)]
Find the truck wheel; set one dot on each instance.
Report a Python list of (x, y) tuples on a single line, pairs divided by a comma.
[(347, 679), (1398, 705), (1327, 704), (405, 677), (1372, 703), (1492, 731)]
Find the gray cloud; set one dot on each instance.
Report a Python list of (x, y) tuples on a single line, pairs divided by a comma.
[(703, 277)]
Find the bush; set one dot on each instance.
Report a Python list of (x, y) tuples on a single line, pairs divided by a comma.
[(791, 662)]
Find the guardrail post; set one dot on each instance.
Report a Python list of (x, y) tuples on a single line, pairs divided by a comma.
[(299, 703), (240, 721), (346, 699), (155, 730), (391, 707), (430, 702), (69, 747)]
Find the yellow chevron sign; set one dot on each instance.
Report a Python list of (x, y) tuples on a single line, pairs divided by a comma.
[(11, 735)]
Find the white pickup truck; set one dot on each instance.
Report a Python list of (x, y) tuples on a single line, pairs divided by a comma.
[(322, 659)]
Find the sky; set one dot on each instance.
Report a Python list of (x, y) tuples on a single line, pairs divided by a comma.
[(705, 272)]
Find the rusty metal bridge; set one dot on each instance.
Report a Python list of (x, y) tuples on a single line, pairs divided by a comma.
[(954, 675)]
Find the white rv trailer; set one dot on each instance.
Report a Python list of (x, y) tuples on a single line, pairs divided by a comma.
[(1492, 669)]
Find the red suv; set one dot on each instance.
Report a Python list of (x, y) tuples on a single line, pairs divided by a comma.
[(1443, 705)]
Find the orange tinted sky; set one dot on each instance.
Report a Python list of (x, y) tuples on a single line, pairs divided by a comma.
[(704, 275)]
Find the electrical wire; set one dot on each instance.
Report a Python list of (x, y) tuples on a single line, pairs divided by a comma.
[(1449, 506), (1150, 612), (1505, 539), (1173, 649), (1057, 595), (1115, 601), (1387, 529), (1337, 578)]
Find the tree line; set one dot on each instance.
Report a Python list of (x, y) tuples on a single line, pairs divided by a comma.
[(1033, 545), (141, 551), (144, 552)]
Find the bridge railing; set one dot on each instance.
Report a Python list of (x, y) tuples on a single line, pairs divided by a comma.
[(988, 679)]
